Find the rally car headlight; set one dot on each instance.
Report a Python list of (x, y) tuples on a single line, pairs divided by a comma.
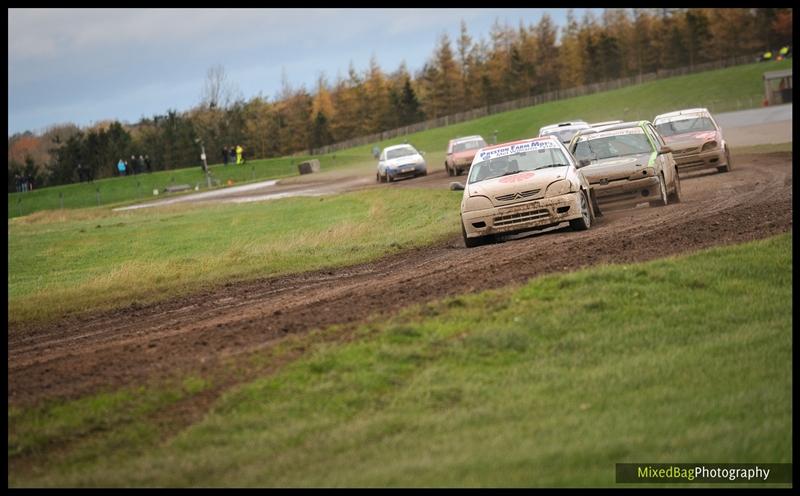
[(476, 203), (561, 187), (709, 146)]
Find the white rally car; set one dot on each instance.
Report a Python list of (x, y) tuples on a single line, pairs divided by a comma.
[(523, 185), (400, 161)]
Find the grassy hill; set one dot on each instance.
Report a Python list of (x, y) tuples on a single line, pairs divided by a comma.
[(721, 90)]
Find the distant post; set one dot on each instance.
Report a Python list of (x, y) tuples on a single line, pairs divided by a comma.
[(203, 158), (19, 206), (61, 199), (494, 137), (97, 195)]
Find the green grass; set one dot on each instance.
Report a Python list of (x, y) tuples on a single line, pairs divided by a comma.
[(685, 359), (769, 148), (75, 261), (43, 428), (721, 90)]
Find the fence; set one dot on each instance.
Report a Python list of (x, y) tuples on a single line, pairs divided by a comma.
[(550, 96)]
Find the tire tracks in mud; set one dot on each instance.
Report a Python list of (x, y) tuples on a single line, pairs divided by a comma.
[(79, 355)]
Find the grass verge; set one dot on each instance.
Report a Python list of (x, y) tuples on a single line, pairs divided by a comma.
[(685, 359), (75, 261)]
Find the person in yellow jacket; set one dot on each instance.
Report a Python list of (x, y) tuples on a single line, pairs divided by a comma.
[(239, 154), (767, 55)]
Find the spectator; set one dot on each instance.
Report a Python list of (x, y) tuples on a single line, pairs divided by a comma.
[(225, 155), (81, 173), (121, 167), (233, 155), (140, 164), (24, 183), (239, 151), (147, 163), (132, 165), (18, 180)]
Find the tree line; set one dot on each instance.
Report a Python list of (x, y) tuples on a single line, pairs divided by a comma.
[(461, 74)]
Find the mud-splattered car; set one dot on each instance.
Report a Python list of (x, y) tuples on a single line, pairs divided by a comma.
[(564, 131), (523, 185), (695, 138), (400, 161), (627, 163), (460, 152)]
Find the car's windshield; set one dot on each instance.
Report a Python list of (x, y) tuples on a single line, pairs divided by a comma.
[(691, 125), (599, 146), (517, 162), (468, 145), (563, 135), (400, 152)]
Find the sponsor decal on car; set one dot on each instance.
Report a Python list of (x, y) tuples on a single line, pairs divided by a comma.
[(516, 148), (606, 134)]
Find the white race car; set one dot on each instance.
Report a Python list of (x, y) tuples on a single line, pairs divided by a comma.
[(400, 161), (523, 185)]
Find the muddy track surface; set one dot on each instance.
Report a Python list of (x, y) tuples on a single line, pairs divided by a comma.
[(193, 334)]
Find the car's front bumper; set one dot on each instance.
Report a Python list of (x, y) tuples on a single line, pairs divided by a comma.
[(627, 190), (710, 159), (522, 216), (406, 171)]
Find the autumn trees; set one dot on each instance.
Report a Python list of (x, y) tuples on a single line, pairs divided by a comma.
[(462, 73)]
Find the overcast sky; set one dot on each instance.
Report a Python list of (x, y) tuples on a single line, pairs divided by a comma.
[(87, 65)]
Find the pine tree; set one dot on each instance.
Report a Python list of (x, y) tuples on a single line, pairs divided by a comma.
[(697, 35), (465, 63), (571, 54), (546, 61), (377, 104), (447, 81)]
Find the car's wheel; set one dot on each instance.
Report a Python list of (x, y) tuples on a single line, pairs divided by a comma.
[(388, 177), (595, 205), (675, 196), (472, 242), (377, 177), (583, 222), (727, 166), (449, 170), (424, 173), (662, 189)]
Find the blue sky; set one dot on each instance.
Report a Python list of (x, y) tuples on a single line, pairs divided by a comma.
[(88, 65)]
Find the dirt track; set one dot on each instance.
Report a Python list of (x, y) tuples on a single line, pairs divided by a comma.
[(76, 356)]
